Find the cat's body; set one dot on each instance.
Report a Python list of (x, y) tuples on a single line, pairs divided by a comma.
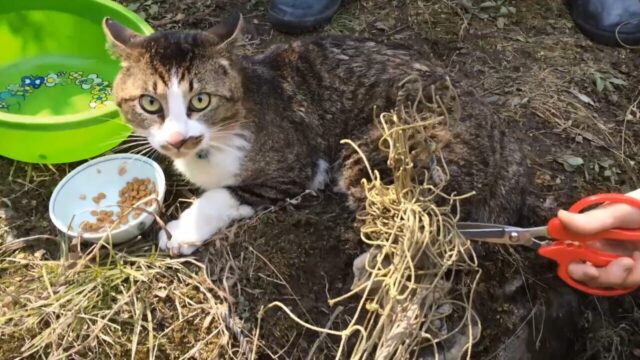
[(301, 99), (254, 131)]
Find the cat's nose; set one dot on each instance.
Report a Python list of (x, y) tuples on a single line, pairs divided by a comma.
[(178, 141)]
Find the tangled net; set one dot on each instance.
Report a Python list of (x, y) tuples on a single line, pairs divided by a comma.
[(414, 284)]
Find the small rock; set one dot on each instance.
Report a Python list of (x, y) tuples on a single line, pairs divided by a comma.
[(512, 285), (6, 213)]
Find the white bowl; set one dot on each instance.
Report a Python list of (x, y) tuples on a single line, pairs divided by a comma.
[(71, 202)]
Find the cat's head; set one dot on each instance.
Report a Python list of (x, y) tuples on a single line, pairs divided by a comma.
[(179, 88)]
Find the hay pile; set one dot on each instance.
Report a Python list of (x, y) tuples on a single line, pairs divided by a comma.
[(109, 304), (413, 288)]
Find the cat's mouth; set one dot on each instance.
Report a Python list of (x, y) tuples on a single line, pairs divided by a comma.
[(183, 148), (178, 154)]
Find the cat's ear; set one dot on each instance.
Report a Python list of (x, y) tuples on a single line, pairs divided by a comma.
[(121, 40), (229, 31)]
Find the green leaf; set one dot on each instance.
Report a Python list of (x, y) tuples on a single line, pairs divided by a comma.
[(503, 11), (617, 81), (153, 9), (133, 6), (570, 162), (599, 83), (606, 163), (608, 86), (467, 4), (488, 4)]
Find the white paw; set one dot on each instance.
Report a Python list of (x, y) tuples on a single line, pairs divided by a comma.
[(215, 210), (244, 211), (184, 239)]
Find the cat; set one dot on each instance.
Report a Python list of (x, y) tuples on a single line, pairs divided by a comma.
[(256, 130)]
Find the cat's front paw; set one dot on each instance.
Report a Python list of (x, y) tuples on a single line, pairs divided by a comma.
[(184, 239)]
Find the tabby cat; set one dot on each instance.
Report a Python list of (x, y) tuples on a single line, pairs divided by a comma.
[(254, 131)]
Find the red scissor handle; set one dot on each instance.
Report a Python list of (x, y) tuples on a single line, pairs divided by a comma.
[(567, 252), (570, 247)]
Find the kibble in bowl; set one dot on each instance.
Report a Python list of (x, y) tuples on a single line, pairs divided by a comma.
[(115, 194)]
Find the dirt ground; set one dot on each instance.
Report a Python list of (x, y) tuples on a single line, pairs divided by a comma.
[(575, 100)]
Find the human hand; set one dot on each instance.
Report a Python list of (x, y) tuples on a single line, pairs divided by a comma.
[(620, 273)]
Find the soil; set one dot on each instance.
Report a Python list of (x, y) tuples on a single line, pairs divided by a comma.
[(534, 68)]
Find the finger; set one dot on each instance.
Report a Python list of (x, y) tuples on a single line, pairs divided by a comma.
[(583, 272), (589, 222), (614, 274), (633, 278), (602, 218)]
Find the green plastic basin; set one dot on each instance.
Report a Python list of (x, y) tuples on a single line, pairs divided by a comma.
[(56, 104)]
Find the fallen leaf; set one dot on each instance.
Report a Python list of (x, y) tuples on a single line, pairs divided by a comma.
[(599, 83), (606, 163), (133, 6), (617, 81), (570, 162), (153, 9), (467, 4), (169, 20), (584, 98), (381, 26), (162, 293)]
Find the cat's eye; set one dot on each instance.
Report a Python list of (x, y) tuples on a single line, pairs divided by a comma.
[(150, 104), (200, 102)]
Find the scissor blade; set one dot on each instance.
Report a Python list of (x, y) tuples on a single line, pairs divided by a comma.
[(497, 234)]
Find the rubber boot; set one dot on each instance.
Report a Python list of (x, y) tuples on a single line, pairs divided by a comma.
[(298, 16), (608, 22)]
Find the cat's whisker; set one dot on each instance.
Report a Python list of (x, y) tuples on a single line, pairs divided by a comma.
[(224, 133), (230, 123), (119, 139), (227, 129), (140, 149), (112, 141), (128, 145), (147, 152), (235, 126), (222, 146)]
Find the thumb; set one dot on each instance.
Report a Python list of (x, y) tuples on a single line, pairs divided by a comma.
[(586, 223)]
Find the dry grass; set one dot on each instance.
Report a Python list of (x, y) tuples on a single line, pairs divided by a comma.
[(108, 304)]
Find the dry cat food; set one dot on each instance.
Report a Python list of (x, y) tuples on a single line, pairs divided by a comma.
[(101, 196), (122, 170), (133, 192)]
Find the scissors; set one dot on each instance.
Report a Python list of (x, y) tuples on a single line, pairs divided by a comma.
[(557, 243)]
